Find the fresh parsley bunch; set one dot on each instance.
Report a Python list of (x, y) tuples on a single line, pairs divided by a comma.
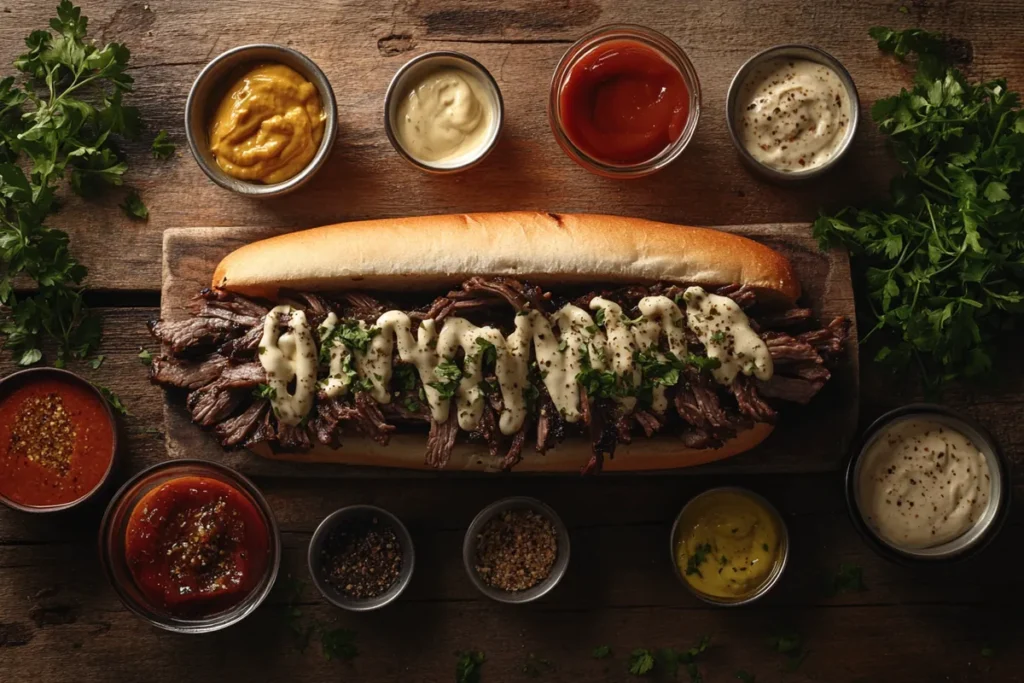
[(63, 123), (941, 264)]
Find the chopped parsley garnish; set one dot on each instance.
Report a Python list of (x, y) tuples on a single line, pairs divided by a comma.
[(467, 666), (264, 391), (601, 652), (448, 375), (134, 208), (718, 337), (848, 579), (162, 146), (112, 399), (699, 557), (488, 351), (145, 357), (599, 317), (641, 662), (404, 377)]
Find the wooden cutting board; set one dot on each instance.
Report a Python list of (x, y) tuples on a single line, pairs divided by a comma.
[(808, 438)]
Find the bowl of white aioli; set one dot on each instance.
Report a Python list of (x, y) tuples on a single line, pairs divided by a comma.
[(792, 112), (927, 485), (443, 112)]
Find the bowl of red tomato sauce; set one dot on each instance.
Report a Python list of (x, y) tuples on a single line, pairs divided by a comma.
[(625, 101), (190, 546), (58, 440)]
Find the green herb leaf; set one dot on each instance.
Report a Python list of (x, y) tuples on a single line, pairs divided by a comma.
[(641, 662), (937, 266), (536, 666), (467, 666), (697, 558), (490, 353), (145, 357), (848, 579), (264, 391), (162, 147), (448, 374), (134, 208), (601, 652), (96, 362), (339, 643), (112, 399)]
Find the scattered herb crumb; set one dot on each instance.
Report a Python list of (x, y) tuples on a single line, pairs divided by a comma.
[(339, 643), (535, 666), (467, 667), (162, 147), (146, 357), (789, 643), (112, 399), (699, 557), (601, 652), (134, 208), (96, 362), (641, 662), (848, 579)]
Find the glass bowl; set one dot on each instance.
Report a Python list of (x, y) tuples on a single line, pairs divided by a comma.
[(112, 546), (667, 49)]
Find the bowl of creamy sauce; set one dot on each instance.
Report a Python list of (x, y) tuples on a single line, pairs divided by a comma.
[(443, 112), (927, 485), (792, 111)]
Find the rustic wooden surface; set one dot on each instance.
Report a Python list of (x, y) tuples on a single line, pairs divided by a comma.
[(59, 621), (808, 439)]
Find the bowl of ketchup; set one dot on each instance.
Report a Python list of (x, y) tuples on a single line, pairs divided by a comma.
[(190, 546), (624, 101)]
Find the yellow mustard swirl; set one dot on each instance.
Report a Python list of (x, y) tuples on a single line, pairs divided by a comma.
[(269, 125), (728, 544)]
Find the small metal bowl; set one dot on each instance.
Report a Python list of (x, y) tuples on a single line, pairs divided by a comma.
[(984, 529), (210, 86), (469, 545), (19, 379), (113, 529), (403, 82), (810, 53), (770, 580), (316, 547)]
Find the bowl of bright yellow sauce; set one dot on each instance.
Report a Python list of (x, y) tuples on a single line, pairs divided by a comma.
[(261, 119), (729, 546)]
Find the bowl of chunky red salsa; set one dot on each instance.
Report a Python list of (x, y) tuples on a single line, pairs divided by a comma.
[(190, 546), (58, 438)]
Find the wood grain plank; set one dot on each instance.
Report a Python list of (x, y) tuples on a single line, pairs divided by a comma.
[(520, 44), (811, 438)]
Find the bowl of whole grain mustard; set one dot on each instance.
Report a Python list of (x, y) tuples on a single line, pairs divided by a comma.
[(729, 546), (516, 550)]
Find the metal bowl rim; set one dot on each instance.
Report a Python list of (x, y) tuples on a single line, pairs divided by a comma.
[(316, 572), (824, 58)]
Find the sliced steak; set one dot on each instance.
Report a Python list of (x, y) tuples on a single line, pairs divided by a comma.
[(213, 404), (792, 389), (234, 431), (787, 319), (648, 422), (744, 296), (244, 346), (194, 333), (515, 451), (294, 437), (186, 374)]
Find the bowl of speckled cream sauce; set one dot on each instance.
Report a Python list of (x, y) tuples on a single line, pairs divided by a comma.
[(927, 485)]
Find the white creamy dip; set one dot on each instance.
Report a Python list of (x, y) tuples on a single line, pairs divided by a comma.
[(792, 115), (922, 484)]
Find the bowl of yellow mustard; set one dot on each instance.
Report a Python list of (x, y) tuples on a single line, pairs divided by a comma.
[(261, 119), (729, 546)]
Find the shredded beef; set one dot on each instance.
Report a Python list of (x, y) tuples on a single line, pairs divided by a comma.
[(294, 437), (743, 295), (648, 422), (792, 389), (515, 451), (787, 319), (749, 402), (235, 430), (441, 441)]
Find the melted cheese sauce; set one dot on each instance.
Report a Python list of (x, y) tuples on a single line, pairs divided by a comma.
[(724, 330), (563, 345), (286, 358)]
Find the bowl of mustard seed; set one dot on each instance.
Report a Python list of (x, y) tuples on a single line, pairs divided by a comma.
[(516, 550), (361, 558)]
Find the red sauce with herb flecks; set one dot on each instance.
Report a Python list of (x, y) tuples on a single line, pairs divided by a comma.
[(196, 546), (56, 442)]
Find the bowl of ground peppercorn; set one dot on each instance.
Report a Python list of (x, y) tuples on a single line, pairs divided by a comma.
[(361, 558), (516, 550)]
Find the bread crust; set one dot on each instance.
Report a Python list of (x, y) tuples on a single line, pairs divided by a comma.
[(406, 451), (544, 248)]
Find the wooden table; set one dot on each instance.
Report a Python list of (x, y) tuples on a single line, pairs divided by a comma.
[(59, 621)]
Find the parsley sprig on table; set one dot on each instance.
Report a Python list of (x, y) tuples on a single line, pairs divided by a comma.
[(941, 263), (63, 123)]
